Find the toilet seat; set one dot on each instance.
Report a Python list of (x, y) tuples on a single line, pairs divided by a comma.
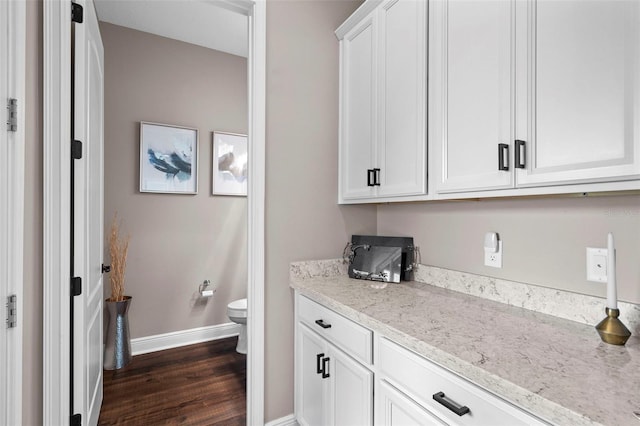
[(237, 308)]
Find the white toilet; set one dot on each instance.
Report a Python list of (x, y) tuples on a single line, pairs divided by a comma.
[(237, 312)]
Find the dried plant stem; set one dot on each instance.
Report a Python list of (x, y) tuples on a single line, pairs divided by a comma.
[(118, 248)]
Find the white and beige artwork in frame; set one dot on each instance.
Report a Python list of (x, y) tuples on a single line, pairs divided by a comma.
[(168, 158), (229, 164)]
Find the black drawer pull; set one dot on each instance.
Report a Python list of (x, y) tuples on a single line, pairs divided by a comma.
[(376, 177), (458, 409), (318, 359), (322, 324), (520, 154), (325, 367), (503, 157)]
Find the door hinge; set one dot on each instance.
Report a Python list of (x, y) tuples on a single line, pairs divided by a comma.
[(12, 311), (12, 115), (76, 149), (76, 420), (76, 286), (77, 13)]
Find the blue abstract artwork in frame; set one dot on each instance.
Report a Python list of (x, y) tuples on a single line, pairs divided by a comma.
[(168, 159)]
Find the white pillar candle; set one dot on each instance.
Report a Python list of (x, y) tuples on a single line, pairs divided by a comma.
[(612, 296)]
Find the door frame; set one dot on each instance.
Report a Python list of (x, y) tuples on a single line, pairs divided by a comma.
[(12, 69), (56, 206)]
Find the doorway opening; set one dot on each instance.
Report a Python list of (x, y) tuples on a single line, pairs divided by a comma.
[(56, 93)]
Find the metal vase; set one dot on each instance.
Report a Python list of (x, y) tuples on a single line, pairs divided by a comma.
[(117, 349)]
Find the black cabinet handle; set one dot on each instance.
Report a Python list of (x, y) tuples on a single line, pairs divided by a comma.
[(106, 268), (520, 154), (376, 177), (325, 367), (371, 176), (322, 324), (503, 156), (458, 409), (318, 359)]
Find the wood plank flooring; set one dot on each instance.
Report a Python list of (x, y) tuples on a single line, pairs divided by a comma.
[(203, 384)]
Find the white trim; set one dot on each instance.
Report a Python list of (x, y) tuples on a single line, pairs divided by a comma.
[(256, 207), (356, 17), (176, 339), (242, 7), (289, 420), (56, 206), (12, 208)]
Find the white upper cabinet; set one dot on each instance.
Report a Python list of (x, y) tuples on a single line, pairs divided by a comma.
[(402, 102), (525, 97), (472, 73), (383, 87), (580, 91), (534, 93), (358, 93)]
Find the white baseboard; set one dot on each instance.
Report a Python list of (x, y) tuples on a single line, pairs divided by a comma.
[(159, 342), (289, 420)]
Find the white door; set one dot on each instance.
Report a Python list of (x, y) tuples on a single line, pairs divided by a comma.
[(402, 143), (357, 111), (471, 109), (393, 408), (88, 217), (309, 359), (581, 87), (350, 390)]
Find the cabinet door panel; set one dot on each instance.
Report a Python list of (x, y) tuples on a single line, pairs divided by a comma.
[(351, 391), (402, 98), (473, 73), (393, 408), (357, 110), (311, 398), (584, 94)]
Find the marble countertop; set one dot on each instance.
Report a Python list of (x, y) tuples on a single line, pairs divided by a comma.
[(557, 369)]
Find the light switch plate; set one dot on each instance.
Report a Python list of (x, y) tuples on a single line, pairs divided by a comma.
[(597, 264)]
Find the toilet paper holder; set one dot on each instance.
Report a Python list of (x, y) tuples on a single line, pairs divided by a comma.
[(206, 289)]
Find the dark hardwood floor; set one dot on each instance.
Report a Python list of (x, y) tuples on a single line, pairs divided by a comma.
[(203, 384)]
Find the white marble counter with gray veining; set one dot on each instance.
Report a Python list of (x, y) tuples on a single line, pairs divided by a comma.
[(555, 368)]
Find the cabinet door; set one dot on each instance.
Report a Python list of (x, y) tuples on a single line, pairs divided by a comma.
[(581, 90), (393, 408), (351, 391), (402, 98), (357, 110), (310, 398), (471, 76)]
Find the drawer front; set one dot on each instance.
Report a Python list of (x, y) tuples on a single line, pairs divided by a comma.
[(353, 338), (421, 379)]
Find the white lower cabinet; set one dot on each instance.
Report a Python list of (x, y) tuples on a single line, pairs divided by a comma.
[(332, 388), (393, 408), (451, 398), (311, 403), (335, 363)]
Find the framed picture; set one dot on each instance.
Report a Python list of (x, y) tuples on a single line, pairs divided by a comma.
[(229, 164), (168, 159)]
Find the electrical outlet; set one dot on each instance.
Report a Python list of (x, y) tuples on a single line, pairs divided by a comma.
[(597, 264), (494, 259)]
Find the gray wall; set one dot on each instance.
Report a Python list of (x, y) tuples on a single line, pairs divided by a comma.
[(303, 219), (177, 241), (544, 240), (32, 306)]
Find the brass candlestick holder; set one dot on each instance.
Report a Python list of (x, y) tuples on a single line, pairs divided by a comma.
[(612, 330)]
